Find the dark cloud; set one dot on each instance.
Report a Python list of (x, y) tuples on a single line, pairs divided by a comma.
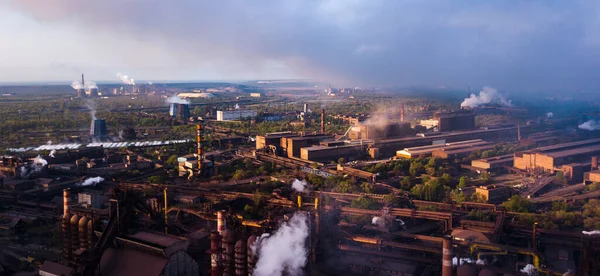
[(513, 44)]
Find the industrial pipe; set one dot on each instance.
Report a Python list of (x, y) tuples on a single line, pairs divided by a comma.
[(166, 212), (447, 256), (220, 222), (228, 253), (215, 250), (251, 256), (241, 258)]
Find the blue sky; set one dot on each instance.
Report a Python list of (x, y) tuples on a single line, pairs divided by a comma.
[(529, 45)]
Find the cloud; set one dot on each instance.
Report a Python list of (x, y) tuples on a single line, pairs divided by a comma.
[(461, 43)]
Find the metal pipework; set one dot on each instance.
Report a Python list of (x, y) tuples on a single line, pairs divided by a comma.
[(220, 223), (199, 146), (323, 121), (215, 252), (228, 253), (241, 258), (251, 256), (299, 201), (447, 256), (166, 213)]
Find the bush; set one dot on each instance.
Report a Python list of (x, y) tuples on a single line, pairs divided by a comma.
[(365, 202), (517, 204)]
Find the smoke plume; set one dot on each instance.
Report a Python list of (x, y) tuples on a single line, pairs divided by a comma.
[(529, 269), (177, 100), (92, 181), (284, 252), (379, 221), (549, 115), (237, 106), (91, 105), (299, 185), (590, 233), (52, 152), (35, 167), (125, 79), (590, 125), (487, 96), (88, 85)]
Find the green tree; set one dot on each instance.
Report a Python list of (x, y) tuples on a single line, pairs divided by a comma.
[(341, 161), (446, 179), (157, 179), (478, 197), (406, 183), (458, 196), (239, 174), (172, 161), (593, 187), (463, 182), (367, 187), (415, 169), (432, 190), (591, 213), (345, 186), (560, 176), (391, 199), (517, 204), (365, 202), (559, 206)]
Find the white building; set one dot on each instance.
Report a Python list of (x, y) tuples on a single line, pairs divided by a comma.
[(255, 95), (231, 115), (429, 123)]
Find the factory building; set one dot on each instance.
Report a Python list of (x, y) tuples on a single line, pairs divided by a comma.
[(460, 151), (256, 95), (90, 199), (453, 121), (326, 154), (93, 92), (179, 110), (494, 194), (272, 140), (548, 159), (493, 163), (426, 151), (429, 123), (366, 131), (231, 115), (291, 145), (575, 172), (98, 129)]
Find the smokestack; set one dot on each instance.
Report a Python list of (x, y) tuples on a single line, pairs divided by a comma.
[(519, 131), (66, 201), (447, 256), (402, 113), (82, 81), (323, 121), (594, 163), (199, 147), (305, 109), (220, 222)]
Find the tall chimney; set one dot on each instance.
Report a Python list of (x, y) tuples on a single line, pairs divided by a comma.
[(220, 223), (82, 81), (594, 163), (305, 109), (66, 201), (402, 113), (447, 256), (199, 146), (323, 121), (215, 253), (519, 131)]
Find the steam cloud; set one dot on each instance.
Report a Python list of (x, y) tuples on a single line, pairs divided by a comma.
[(52, 152), (284, 252), (486, 96), (88, 85), (299, 185), (590, 125), (35, 167), (92, 181), (549, 115), (125, 79), (590, 233), (379, 221), (177, 100), (91, 105), (529, 269), (237, 106)]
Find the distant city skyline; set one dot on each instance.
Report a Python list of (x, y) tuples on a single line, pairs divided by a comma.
[(530, 45)]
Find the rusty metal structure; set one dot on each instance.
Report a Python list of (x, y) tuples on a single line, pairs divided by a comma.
[(323, 121)]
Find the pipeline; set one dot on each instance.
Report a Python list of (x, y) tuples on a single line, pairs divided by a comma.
[(500, 248)]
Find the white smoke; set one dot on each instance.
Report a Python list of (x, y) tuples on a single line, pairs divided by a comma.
[(36, 166), (487, 95), (91, 105), (149, 83), (92, 181), (590, 125), (590, 233), (284, 252), (177, 100), (379, 221), (237, 106), (125, 79), (52, 152), (549, 115), (299, 185), (88, 85), (49, 142), (529, 269)]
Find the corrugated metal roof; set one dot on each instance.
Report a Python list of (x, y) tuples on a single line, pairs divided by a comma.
[(130, 262)]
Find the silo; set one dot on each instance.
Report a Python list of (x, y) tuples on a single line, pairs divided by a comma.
[(241, 258), (75, 232), (228, 252), (83, 233), (251, 256)]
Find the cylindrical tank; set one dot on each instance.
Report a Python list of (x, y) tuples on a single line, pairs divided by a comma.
[(215, 261), (66, 224), (66, 200), (240, 258), (466, 270), (447, 256), (83, 233), (228, 253), (251, 256), (594, 163), (75, 231), (90, 234)]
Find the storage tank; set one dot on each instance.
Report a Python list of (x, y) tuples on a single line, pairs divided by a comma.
[(90, 234), (75, 232), (66, 224), (83, 234)]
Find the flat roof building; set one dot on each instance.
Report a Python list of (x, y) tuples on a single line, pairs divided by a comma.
[(232, 115), (493, 163), (547, 159)]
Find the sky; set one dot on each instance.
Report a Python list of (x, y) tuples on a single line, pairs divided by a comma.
[(527, 45)]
